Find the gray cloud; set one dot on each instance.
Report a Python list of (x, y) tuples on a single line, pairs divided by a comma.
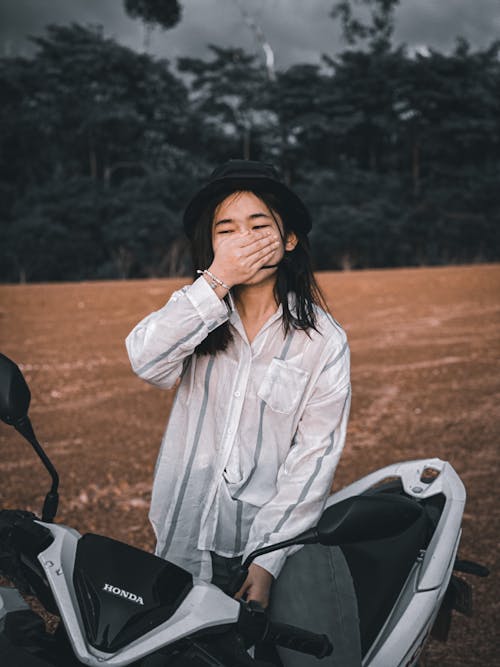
[(298, 31), (437, 24)]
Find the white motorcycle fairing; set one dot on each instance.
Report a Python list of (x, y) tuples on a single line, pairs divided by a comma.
[(406, 628), (195, 613)]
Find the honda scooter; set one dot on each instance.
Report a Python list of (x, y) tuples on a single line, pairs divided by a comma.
[(399, 529)]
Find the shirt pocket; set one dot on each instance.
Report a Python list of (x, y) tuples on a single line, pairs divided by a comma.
[(283, 386)]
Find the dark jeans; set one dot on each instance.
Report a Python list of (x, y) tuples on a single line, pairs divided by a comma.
[(313, 591)]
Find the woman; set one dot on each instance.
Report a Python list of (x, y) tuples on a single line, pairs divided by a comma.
[(261, 410)]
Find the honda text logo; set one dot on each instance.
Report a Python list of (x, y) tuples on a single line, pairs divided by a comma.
[(119, 592)]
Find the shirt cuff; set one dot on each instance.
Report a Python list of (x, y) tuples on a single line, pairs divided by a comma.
[(208, 305), (274, 561)]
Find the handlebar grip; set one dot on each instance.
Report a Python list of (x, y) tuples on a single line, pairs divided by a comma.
[(288, 636)]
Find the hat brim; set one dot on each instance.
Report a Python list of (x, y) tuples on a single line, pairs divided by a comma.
[(298, 217)]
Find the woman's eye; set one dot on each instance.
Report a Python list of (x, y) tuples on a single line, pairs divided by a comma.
[(260, 226), (225, 231)]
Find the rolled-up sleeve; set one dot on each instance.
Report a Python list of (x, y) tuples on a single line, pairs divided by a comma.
[(305, 477), (159, 344)]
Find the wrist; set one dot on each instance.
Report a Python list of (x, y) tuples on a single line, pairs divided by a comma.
[(261, 572), (218, 285), (220, 274)]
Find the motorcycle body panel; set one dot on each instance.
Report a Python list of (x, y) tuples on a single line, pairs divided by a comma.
[(195, 613), (410, 621)]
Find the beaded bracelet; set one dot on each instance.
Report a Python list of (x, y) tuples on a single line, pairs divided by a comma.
[(215, 282)]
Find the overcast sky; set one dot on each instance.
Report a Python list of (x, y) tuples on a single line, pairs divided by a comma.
[(298, 31)]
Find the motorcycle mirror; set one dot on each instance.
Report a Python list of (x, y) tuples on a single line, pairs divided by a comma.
[(15, 395), (15, 400), (355, 519), (365, 518)]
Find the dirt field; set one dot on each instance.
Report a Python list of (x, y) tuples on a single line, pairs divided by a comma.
[(425, 369)]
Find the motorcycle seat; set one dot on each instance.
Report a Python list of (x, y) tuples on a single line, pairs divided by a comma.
[(379, 569)]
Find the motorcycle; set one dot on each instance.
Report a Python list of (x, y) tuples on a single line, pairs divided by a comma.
[(399, 529)]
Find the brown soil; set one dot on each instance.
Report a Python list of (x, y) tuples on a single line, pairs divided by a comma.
[(425, 369)]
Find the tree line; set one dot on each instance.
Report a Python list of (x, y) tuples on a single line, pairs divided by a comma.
[(397, 155)]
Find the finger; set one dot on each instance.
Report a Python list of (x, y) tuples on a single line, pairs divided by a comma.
[(242, 591), (240, 595), (248, 238), (258, 243), (261, 250), (245, 244), (263, 257)]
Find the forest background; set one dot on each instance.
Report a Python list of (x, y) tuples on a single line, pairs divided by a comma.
[(397, 154)]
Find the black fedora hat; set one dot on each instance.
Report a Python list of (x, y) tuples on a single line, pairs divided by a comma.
[(248, 175)]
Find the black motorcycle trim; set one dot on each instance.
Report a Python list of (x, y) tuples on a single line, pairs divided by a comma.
[(148, 590)]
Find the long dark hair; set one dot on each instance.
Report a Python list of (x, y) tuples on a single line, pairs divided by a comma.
[(295, 274)]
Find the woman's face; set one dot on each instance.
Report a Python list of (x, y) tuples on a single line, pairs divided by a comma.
[(244, 213)]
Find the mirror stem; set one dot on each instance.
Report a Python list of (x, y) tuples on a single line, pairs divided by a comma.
[(25, 428), (307, 537)]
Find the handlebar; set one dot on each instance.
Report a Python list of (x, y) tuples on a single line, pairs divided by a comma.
[(20, 530), (289, 636), (254, 626)]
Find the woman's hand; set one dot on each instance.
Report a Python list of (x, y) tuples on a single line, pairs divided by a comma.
[(257, 585), (239, 256)]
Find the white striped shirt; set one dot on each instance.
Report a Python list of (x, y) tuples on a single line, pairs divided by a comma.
[(255, 432)]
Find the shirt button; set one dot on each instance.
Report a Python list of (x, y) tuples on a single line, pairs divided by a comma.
[(230, 431), (237, 394)]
